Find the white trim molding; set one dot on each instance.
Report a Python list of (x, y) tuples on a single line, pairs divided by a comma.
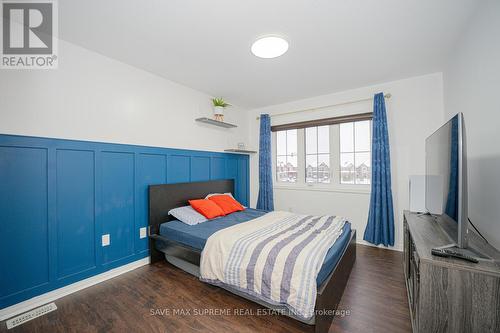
[(53, 295)]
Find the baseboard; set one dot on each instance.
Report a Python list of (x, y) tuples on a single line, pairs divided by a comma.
[(396, 247), (51, 296)]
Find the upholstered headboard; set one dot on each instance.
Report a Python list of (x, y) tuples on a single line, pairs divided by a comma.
[(164, 197)]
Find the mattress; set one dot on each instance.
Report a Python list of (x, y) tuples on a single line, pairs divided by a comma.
[(196, 236)]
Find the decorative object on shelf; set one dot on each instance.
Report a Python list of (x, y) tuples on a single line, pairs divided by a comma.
[(219, 104)]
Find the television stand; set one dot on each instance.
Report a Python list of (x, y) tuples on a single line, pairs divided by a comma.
[(447, 294)]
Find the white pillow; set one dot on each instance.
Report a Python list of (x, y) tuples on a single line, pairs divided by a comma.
[(188, 215), (228, 193), (212, 194)]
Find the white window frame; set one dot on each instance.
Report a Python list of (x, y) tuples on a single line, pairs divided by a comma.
[(317, 153), (354, 152), (301, 184), (275, 159)]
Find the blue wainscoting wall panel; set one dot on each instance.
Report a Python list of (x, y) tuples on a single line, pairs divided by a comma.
[(179, 168), (117, 219), (75, 207), (58, 197), (151, 169), (200, 169), (24, 220)]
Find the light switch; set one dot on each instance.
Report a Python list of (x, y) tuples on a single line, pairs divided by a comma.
[(142, 232), (105, 240)]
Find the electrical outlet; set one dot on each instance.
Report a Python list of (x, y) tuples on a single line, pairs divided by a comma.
[(142, 232), (106, 240)]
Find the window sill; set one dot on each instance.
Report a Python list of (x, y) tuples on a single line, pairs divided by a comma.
[(365, 189)]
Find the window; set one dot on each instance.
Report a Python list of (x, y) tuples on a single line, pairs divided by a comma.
[(324, 154), (286, 156), (317, 149), (355, 159)]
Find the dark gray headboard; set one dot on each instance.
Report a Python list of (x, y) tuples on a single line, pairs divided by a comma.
[(165, 197)]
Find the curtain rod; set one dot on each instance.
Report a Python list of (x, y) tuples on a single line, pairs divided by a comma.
[(388, 95)]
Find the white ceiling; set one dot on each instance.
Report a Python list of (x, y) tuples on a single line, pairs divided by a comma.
[(334, 44)]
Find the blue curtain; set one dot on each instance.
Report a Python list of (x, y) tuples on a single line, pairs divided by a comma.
[(380, 226), (265, 200), (452, 200)]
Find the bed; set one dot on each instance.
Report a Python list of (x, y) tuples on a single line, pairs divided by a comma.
[(182, 245)]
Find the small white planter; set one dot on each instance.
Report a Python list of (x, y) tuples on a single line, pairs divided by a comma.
[(219, 113)]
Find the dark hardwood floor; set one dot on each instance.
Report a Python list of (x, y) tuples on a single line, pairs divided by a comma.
[(145, 300)]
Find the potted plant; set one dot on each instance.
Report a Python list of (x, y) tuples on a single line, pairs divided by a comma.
[(219, 105)]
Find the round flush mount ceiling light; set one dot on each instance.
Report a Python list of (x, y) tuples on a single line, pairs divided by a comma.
[(269, 47)]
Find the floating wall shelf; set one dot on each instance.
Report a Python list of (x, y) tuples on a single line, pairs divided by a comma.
[(215, 122), (240, 151)]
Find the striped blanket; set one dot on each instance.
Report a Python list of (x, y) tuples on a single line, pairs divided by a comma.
[(275, 258)]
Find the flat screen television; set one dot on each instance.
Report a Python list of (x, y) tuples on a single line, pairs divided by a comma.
[(446, 176)]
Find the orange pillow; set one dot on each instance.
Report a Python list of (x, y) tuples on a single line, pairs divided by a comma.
[(206, 208), (226, 203)]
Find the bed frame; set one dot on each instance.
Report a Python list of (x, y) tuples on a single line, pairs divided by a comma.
[(165, 197)]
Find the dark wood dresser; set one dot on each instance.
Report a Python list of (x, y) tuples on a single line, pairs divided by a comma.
[(447, 294)]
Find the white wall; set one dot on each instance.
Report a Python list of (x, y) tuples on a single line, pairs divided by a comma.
[(472, 86), (414, 112), (92, 97)]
